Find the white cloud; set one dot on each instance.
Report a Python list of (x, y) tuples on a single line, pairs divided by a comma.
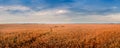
[(114, 7), (111, 18), (62, 11), (21, 8), (57, 15), (114, 17), (44, 16), (51, 12)]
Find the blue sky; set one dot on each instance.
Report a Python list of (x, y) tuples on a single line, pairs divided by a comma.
[(59, 11)]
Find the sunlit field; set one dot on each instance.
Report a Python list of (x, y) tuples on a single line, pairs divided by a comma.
[(60, 36)]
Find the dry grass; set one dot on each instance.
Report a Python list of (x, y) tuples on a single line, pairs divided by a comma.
[(60, 36)]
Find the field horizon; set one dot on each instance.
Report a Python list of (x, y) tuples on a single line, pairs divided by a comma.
[(59, 23)]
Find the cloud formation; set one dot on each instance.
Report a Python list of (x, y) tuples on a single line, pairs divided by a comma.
[(59, 11), (45, 16)]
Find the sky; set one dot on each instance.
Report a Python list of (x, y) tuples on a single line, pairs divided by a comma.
[(59, 11)]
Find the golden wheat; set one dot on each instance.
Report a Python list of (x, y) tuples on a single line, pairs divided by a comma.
[(60, 36)]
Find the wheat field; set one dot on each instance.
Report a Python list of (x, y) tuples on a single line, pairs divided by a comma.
[(60, 36)]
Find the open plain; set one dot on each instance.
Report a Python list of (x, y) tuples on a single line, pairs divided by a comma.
[(59, 35)]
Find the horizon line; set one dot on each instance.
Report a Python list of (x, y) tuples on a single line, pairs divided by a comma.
[(62, 23)]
